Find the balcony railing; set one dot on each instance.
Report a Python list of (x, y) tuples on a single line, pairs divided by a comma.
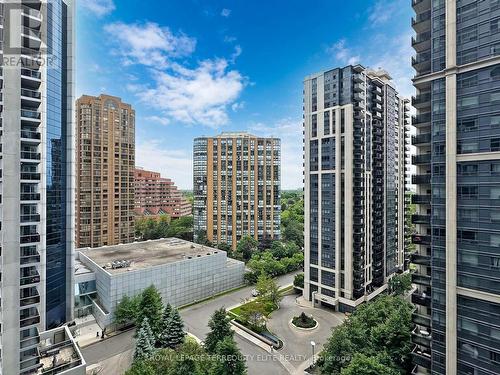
[(30, 218), (421, 279), (31, 12), (421, 159), (420, 319), (31, 93), (30, 321), (30, 176), (421, 199), (30, 259), (30, 134), (27, 280), (26, 301), (420, 299), (421, 219), (31, 73), (420, 139), (30, 238), (421, 119), (30, 196), (30, 155), (30, 114), (32, 32), (418, 179), (423, 260), (420, 239), (420, 20), (421, 38)]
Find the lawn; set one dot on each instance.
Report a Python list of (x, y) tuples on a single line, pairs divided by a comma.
[(267, 308)]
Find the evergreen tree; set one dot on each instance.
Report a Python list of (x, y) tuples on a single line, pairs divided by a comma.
[(144, 346), (151, 307), (220, 328), (229, 359), (173, 332)]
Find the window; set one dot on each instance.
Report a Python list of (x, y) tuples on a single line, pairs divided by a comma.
[(495, 25), (467, 80), (468, 101), (467, 169), (468, 146), (495, 96), (467, 12), (467, 235), (468, 34), (495, 262), (495, 168), (495, 240), (495, 192), (495, 121), (467, 125), (495, 73), (495, 144), (468, 192)]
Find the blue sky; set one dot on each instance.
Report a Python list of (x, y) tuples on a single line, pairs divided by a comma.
[(199, 67)]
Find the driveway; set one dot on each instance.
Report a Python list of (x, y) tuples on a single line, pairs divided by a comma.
[(118, 349), (297, 343)]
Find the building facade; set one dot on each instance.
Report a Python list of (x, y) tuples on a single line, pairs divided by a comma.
[(182, 271), (457, 65), (237, 188), (156, 196), (37, 177), (354, 160), (105, 164)]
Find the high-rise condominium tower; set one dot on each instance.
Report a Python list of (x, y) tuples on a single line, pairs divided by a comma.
[(105, 164), (236, 188), (457, 65), (355, 156), (37, 177), (155, 196)]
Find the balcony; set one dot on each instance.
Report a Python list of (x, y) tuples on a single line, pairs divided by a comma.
[(28, 94), (420, 279), (421, 159), (30, 218), (421, 199), (421, 299), (421, 100), (420, 5), (30, 259), (30, 73), (421, 337), (358, 78), (421, 22), (422, 62), (29, 321), (30, 136), (421, 139), (359, 87), (30, 115), (421, 42), (30, 196), (30, 176), (419, 239), (30, 341), (422, 320), (30, 155), (30, 238), (32, 300), (421, 179), (420, 219), (419, 259)]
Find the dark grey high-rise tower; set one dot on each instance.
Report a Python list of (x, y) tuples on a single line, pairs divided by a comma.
[(36, 180), (355, 157), (457, 65)]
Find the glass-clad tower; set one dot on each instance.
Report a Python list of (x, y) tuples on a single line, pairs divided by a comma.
[(36, 186), (355, 150), (457, 63)]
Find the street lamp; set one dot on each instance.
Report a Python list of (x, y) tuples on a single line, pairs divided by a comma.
[(313, 344)]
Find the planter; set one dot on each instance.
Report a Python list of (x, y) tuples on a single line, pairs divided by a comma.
[(304, 328)]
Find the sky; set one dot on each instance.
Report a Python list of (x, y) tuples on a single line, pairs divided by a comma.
[(199, 67)]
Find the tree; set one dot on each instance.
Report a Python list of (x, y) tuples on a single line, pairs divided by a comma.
[(246, 247), (363, 365), (127, 309), (294, 232), (268, 290), (142, 368), (298, 280), (144, 346), (220, 328), (173, 332), (224, 247), (151, 307), (400, 284), (229, 359), (265, 263), (181, 228), (253, 314)]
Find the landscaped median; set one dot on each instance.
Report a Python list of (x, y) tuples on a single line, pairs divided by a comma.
[(253, 315)]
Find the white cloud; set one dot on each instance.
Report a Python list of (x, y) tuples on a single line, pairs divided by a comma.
[(149, 43), (194, 96), (237, 52), (225, 12), (384, 10), (158, 119), (290, 132), (237, 106), (98, 7), (174, 164), (229, 39), (343, 54)]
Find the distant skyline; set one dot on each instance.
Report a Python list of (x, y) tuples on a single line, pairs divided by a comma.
[(192, 67)]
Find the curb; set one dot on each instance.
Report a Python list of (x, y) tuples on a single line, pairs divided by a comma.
[(290, 323)]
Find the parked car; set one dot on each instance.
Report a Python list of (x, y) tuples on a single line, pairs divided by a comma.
[(255, 292)]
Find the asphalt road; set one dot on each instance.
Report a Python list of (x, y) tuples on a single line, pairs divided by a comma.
[(195, 319)]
